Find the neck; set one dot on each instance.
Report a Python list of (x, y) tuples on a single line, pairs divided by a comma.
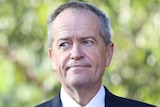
[(82, 95)]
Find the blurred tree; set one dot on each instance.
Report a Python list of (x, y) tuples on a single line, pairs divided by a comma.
[(26, 77)]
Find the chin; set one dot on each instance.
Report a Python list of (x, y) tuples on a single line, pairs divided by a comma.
[(80, 83)]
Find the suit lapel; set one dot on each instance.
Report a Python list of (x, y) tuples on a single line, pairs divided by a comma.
[(56, 102), (106, 94), (108, 99)]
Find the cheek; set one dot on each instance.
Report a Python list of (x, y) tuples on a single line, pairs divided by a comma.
[(61, 60), (99, 58), (60, 67)]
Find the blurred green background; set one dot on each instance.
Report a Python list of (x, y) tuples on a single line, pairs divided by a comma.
[(26, 77)]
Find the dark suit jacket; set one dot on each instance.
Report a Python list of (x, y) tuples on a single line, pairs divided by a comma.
[(110, 101)]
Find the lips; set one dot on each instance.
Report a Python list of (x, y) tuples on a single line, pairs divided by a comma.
[(77, 66)]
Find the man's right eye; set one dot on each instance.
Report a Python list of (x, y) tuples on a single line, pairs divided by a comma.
[(64, 45)]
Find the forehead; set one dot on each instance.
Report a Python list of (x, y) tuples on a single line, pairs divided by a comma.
[(76, 16), (76, 11)]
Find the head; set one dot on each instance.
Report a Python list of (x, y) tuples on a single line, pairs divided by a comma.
[(105, 32), (80, 45)]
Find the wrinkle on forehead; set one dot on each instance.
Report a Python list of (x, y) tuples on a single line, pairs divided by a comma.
[(75, 18)]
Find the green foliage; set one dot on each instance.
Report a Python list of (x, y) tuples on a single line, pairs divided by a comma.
[(26, 77)]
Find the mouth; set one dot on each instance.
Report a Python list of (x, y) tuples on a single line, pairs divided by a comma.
[(77, 67)]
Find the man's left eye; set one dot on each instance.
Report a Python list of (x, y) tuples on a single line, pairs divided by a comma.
[(88, 42)]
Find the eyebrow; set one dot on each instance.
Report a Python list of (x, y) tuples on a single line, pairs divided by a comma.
[(89, 37), (63, 38), (81, 38)]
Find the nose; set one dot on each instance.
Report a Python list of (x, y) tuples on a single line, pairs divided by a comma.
[(76, 52)]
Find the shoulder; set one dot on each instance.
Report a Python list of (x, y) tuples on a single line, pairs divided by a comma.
[(54, 102), (114, 101)]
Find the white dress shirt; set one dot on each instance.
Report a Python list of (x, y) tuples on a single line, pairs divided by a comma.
[(97, 100)]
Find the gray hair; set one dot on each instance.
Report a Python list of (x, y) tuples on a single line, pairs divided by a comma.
[(105, 32)]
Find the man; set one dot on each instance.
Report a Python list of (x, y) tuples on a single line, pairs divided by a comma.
[(80, 47)]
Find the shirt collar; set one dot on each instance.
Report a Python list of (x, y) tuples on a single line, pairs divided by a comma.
[(98, 99)]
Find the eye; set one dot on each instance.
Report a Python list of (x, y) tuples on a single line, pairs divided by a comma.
[(64, 45), (88, 42)]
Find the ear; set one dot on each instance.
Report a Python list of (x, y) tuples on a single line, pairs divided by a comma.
[(109, 53), (52, 59)]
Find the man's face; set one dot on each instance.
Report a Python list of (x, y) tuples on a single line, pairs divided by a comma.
[(79, 54)]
